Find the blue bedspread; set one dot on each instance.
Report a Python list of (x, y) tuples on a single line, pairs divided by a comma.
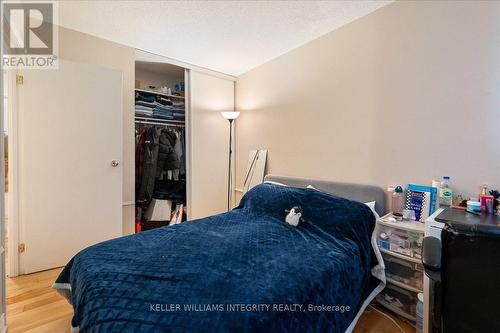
[(242, 271)]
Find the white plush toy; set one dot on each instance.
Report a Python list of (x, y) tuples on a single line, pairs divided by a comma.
[(294, 216)]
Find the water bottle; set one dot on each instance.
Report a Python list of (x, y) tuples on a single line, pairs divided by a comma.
[(445, 192), (398, 201)]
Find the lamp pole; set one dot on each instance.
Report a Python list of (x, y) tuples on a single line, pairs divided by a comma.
[(229, 165), (230, 116)]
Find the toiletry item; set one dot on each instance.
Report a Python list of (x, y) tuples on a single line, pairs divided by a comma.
[(446, 192), (474, 207), (486, 201), (483, 190), (489, 206), (437, 185), (388, 197), (398, 201)]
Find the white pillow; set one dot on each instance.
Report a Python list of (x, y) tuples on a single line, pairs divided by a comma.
[(274, 183), (370, 204)]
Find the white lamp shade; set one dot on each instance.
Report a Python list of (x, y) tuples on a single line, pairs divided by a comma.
[(230, 115)]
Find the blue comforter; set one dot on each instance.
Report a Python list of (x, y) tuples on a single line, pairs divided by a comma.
[(242, 271)]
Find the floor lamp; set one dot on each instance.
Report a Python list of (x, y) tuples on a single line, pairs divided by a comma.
[(230, 116)]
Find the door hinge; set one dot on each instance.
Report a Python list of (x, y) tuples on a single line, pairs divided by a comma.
[(19, 80), (22, 248)]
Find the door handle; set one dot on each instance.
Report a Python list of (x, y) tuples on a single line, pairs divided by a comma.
[(115, 163)]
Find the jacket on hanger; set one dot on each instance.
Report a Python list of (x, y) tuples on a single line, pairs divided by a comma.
[(167, 157), (151, 149), (139, 157)]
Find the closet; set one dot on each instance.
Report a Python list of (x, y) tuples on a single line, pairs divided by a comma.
[(160, 146)]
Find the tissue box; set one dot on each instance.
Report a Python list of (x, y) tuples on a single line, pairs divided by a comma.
[(159, 210)]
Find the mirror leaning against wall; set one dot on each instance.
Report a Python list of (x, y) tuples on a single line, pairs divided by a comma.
[(256, 168)]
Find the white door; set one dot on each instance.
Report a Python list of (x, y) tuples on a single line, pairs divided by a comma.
[(70, 153)]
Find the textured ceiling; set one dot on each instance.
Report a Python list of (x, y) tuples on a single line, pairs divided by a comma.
[(231, 37)]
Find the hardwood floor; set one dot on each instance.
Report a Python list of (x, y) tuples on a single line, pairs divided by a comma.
[(372, 321), (34, 307)]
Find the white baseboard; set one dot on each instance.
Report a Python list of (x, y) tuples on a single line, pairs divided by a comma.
[(3, 324)]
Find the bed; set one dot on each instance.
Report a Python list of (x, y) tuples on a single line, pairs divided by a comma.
[(241, 271)]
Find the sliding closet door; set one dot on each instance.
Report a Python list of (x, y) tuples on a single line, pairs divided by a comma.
[(70, 153), (208, 135)]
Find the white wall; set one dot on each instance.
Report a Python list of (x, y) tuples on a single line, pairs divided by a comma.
[(148, 78), (208, 137), (408, 93)]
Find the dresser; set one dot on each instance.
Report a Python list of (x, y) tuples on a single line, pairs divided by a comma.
[(401, 245)]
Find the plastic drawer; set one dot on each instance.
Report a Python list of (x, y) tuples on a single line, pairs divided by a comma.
[(403, 271), (401, 300), (405, 242)]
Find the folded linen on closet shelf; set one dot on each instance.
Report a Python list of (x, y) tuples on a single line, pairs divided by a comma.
[(164, 108), (145, 113), (143, 110), (146, 104), (163, 114), (179, 115), (144, 98), (153, 105), (164, 101)]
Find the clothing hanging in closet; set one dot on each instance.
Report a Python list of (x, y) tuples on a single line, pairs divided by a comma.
[(160, 158)]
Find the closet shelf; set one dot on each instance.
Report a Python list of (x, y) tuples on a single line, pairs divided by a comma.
[(158, 93), (159, 121)]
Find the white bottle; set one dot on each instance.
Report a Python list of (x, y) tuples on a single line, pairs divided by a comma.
[(398, 201), (446, 192)]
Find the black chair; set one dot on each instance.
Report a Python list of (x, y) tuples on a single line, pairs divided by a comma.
[(464, 269)]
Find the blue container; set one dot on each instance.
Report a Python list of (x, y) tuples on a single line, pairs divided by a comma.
[(383, 244), (473, 206)]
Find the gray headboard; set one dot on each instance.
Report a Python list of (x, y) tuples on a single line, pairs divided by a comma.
[(357, 192)]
